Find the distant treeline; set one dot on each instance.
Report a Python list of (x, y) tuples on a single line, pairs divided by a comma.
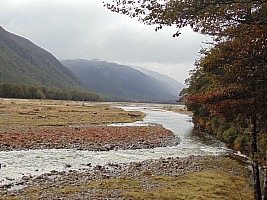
[(11, 90)]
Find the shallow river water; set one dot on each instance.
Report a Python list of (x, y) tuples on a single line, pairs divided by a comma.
[(16, 164)]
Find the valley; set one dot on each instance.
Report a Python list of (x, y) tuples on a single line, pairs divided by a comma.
[(88, 159)]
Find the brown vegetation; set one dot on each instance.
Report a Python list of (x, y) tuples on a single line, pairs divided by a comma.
[(86, 138), (38, 124), (28, 113), (200, 178)]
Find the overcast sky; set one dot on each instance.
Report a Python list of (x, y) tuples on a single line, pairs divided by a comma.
[(72, 29)]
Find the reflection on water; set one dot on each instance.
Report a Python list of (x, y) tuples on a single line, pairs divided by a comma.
[(192, 142), (204, 138), (16, 164)]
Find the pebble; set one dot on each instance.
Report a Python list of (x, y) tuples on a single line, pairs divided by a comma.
[(139, 170), (98, 138)]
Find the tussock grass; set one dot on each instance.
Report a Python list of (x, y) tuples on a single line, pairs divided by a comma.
[(14, 113), (112, 184), (205, 185), (224, 180)]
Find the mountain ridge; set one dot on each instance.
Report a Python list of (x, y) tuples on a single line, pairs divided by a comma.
[(114, 79), (23, 62), (173, 85)]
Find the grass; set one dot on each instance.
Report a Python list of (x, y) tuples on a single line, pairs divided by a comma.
[(14, 113), (70, 189), (113, 184), (226, 181), (177, 109), (205, 185)]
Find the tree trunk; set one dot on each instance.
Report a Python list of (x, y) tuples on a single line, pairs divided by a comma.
[(255, 164), (265, 181)]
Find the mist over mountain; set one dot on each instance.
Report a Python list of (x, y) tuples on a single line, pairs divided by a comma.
[(23, 62), (173, 86), (113, 79)]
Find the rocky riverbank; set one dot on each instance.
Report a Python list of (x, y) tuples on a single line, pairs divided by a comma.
[(45, 125), (93, 138), (128, 181)]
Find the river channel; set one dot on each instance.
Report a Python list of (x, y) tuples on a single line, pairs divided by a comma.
[(16, 164)]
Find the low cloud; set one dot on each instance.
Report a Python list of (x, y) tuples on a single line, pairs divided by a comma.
[(85, 29)]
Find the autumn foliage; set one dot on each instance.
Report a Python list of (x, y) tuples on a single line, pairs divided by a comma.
[(230, 80), (236, 72)]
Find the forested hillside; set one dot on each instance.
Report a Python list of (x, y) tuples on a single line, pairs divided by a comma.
[(171, 85), (117, 80), (28, 71), (22, 91), (23, 62)]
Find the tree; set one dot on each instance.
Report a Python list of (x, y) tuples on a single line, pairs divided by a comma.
[(235, 68), (238, 89), (238, 71), (205, 16)]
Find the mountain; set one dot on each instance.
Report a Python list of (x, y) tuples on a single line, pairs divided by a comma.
[(172, 86), (117, 80), (23, 62)]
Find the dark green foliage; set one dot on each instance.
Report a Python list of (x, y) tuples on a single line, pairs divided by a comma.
[(122, 81), (23, 62), (230, 135), (11, 90), (28, 71), (231, 78), (242, 142)]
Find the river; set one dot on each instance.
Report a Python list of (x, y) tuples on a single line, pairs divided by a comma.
[(16, 164)]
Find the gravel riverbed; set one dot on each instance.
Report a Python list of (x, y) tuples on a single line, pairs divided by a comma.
[(79, 184), (93, 138), (112, 179), (85, 182)]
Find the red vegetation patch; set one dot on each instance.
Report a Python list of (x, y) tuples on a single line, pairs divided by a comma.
[(86, 138)]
